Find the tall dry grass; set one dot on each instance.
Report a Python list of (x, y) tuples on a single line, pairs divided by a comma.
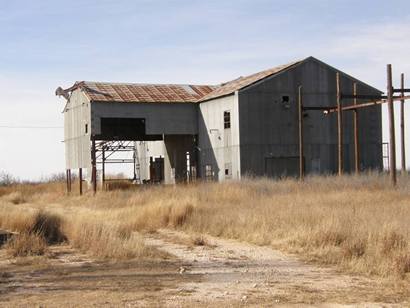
[(359, 223)]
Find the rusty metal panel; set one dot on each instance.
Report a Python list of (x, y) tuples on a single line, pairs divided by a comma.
[(242, 82), (144, 93)]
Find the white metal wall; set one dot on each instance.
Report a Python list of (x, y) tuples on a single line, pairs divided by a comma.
[(77, 141), (219, 147)]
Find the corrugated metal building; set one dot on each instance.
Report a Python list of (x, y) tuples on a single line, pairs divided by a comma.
[(248, 126)]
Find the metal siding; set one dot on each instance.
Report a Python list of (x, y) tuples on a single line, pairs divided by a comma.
[(269, 129), (170, 119), (215, 150), (77, 143)]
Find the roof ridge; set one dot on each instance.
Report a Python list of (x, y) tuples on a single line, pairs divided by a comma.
[(242, 82), (147, 83)]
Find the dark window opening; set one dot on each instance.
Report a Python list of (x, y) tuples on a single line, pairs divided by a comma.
[(123, 128), (285, 99), (227, 119), (86, 128)]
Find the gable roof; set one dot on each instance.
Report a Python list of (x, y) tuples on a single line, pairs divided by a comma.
[(242, 82), (144, 93), (179, 93)]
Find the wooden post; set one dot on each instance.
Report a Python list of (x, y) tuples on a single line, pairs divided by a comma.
[(339, 126), (356, 133), (391, 125), (403, 144), (103, 167), (300, 117), (80, 179), (67, 181), (94, 166)]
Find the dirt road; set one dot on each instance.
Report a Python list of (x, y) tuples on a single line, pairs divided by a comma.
[(204, 272), (235, 272)]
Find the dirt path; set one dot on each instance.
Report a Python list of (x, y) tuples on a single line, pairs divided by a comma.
[(235, 272)]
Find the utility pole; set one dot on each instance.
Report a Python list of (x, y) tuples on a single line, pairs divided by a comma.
[(390, 106)]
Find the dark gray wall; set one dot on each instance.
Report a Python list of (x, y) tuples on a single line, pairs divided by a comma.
[(160, 118), (269, 128)]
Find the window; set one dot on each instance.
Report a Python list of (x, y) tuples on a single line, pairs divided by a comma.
[(227, 119), (86, 128), (208, 172), (285, 102), (228, 170)]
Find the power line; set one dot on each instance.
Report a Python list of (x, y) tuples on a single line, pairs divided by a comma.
[(30, 127)]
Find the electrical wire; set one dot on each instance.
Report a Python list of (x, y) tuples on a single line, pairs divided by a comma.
[(30, 127)]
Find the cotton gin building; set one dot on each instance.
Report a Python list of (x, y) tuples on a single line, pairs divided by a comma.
[(247, 126)]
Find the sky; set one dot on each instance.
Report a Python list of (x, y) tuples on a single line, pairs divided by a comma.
[(51, 43)]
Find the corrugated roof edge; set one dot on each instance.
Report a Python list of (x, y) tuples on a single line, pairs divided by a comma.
[(343, 73), (285, 68)]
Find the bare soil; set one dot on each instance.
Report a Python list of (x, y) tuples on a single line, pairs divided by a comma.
[(217, 272)]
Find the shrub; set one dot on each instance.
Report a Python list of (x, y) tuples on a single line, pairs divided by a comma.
[(26, 244)]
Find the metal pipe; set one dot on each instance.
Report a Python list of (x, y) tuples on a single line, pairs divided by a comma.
[(103, 167), (94, 167), (339, 126), (391, 125), (403, 145), (67, 182), (356, 132), (402, 90), (300, 117), (80, 178)]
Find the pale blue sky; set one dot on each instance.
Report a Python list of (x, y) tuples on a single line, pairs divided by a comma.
[(47, 43)]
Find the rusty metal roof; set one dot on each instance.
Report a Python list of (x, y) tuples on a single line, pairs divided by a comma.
[(242, 82), (169, 93), (146, 93)]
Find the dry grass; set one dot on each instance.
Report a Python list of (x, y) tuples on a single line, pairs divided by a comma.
[(26, 244), (359, 223)]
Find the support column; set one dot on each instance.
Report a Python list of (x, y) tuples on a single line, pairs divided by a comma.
[(103, 167), (403, 144), (69, 180), (300, 117), (390, 106), (80, 179), (67, 175), (356, 132), (94, 167), (339, 126)]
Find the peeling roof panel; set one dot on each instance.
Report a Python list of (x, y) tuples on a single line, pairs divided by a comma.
[(144, 93), (242, 82)]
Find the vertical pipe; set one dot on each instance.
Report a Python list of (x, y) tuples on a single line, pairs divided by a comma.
[(356, 132), (403, 145), (80, 179), (69, 180), (339, 126), (300, 117), (66, 181), (391, 125), (103, 167), (94, 167)]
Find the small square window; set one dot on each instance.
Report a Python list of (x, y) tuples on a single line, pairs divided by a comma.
[(227, 119)]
